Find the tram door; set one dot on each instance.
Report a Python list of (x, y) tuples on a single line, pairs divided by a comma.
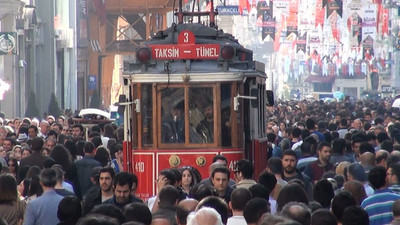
[(254, 124)]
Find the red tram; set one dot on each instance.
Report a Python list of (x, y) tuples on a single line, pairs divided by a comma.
[(193, 92)]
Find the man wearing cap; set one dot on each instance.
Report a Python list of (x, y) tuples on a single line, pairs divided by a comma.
[(50, 119)]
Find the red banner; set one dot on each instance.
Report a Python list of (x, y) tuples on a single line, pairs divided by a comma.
[(383, 16), (293, 6), (244, 4), (279, 29), (335, 31), (319, 14)]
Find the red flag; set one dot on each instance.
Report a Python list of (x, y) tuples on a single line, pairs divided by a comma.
[(208, 7), (384, 21), (293, 6), (294, 43), (244, 4), (335, 31), (279, 28), (319, 14), (100, 7)]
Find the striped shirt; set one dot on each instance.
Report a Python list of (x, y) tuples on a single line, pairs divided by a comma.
[(379, 206), (395, 188)]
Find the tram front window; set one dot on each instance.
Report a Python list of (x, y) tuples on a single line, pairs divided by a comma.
[(173, 115), (201, 115)]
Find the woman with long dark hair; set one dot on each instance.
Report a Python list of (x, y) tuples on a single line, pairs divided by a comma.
[(12, 209), (14, 167), (190, 177)]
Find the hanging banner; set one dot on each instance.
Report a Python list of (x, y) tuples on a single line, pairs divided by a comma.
[(268, 29), (264, 13), (265, 19), (334, 5), (355, 23), (279, 27), (244, 4), (302, 43), (368, 48), (333, 19), (281, 7), (291, 24), (319, 13), (369, 21), (294, 7), (384, 19), (315, 39)]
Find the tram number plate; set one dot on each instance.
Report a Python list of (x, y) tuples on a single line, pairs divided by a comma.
[(186, 48), (139, 167), (232, 165)]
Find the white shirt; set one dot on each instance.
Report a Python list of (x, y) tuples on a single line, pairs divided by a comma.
[(151, 201), (236, 220), (272, 203)]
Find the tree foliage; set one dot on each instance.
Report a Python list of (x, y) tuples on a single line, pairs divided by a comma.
[(95, 101), (54, 108), (32, 109)]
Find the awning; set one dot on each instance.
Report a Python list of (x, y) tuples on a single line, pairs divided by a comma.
[(320, 79)]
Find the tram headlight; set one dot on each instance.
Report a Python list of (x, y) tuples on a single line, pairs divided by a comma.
[(143, 55), (227, 52)]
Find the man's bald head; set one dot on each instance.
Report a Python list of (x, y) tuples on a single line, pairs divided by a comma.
[(368, 160), (189, 204), (381, 157)]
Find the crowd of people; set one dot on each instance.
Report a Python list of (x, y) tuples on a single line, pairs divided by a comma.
[(328, 163)]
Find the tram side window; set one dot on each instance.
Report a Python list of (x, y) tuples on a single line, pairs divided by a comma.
[(147, 112), (226, 133), (201, 115), (172, 115)]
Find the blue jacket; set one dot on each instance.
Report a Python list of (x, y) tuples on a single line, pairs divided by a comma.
[(84, 168), (43, 210)]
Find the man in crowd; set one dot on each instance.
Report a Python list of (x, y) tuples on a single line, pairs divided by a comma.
[(168, 200), (239, 198), (381, 157), (99, 193), (44, 128), (36, 159), (355, 147), (317, 169), (84, 168), (8, 144), (77, 132), (122, 190), (379, 205), (244, 174), (220, 177), (43, 210), (393, 175), (289, 162), (355, 171)]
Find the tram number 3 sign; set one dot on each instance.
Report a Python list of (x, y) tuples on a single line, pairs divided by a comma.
[(186, 48)]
